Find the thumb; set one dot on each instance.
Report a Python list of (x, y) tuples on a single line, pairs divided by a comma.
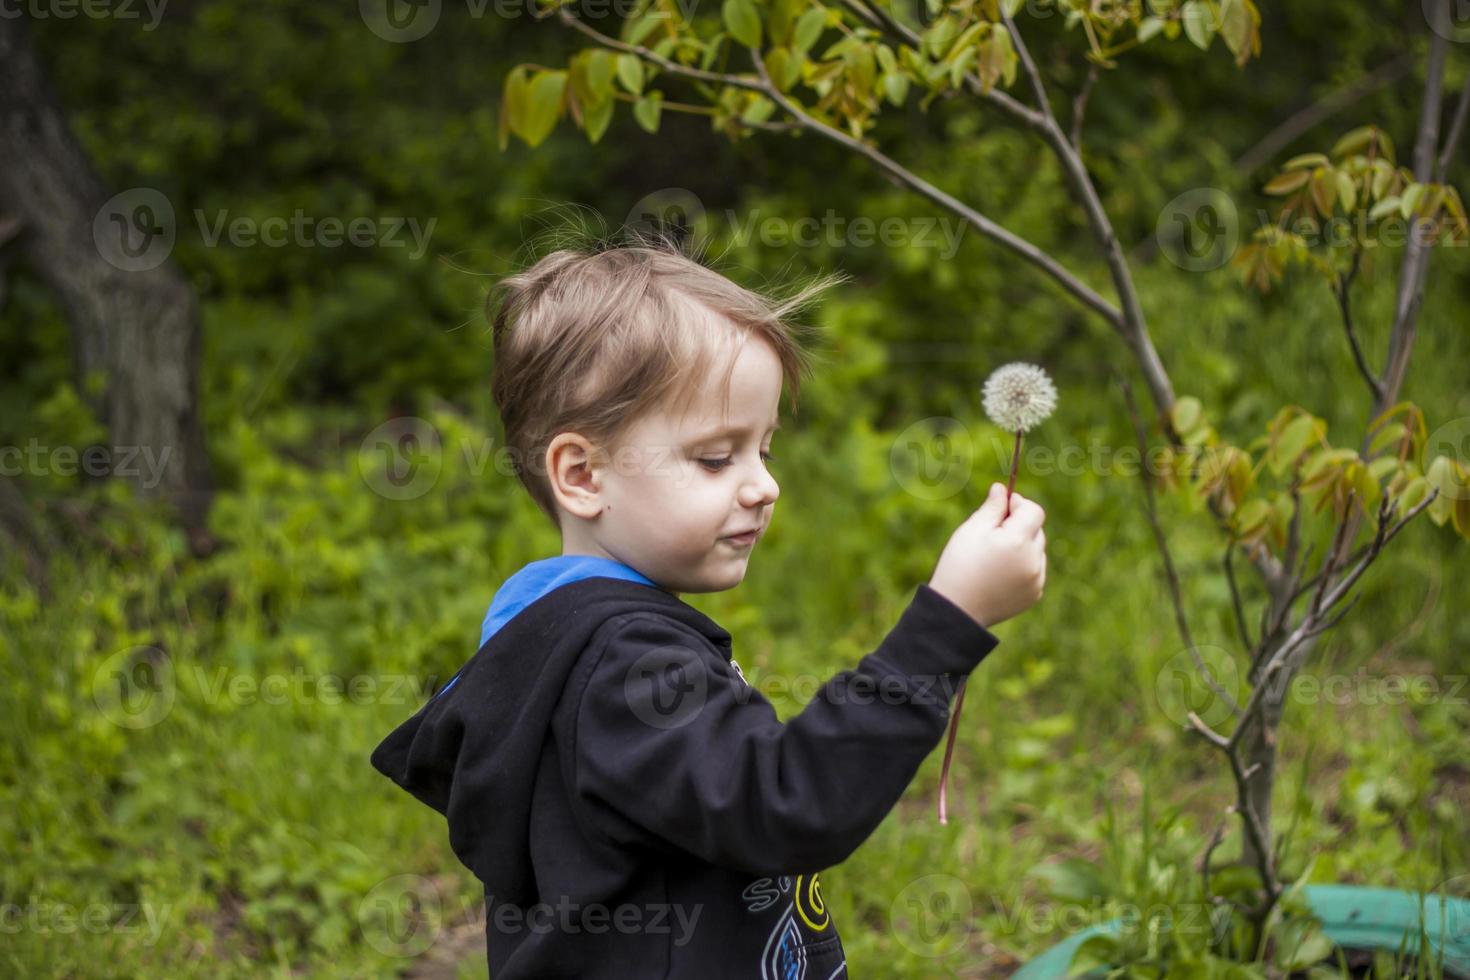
[(993, 511)]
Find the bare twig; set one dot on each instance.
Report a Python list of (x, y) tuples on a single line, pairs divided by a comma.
[(653, 57), (1332, 621), (1280, 137), (1027, 64), (1329, 560), (1215, 839), (1079, 106), (1240, 626), (1416, 250), (1452, 138), (1210, 735), (1342, 290), (1131, 324), (1323, 603), (1175, 594)]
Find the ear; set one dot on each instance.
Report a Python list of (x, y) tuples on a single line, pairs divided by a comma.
[(574, 474)]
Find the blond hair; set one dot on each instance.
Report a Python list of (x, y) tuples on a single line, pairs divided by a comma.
[(592, 338)]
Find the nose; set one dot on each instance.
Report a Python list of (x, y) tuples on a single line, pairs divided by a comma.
[(761, 490)]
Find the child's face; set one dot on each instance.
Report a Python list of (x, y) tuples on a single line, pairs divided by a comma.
[(676, 487)]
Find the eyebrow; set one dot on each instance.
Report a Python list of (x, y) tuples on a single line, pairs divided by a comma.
[(732, 430)]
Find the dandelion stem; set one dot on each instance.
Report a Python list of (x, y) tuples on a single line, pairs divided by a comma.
[(959, 698), (1015, 464), (959, 701)]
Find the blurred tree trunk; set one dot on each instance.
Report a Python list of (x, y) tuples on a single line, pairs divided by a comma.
[(137, 326)]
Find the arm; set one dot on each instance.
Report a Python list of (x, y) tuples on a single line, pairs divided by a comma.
[(673, 750)]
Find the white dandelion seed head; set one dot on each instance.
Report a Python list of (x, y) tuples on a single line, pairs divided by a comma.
[(1019, 396)]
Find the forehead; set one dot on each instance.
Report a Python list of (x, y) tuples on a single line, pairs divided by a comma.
[(740, 394)]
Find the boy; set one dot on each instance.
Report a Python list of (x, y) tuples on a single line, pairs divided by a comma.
[(633, 807)]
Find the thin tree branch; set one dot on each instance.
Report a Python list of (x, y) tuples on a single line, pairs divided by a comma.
[(1311, 620), (1081, 291), (1079, 106), (1330, 560), (1002, 100), (1027, 64), (1416, 250), (1210, 735), (1240, 626), (990, 229), (1132, 325), (1175, 594), (1344, 304), (1298, 123), (1452, 138), (653, 57)]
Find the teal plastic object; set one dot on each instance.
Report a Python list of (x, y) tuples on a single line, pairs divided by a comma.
[(1353, 916)]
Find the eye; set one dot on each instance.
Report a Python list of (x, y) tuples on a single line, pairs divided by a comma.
[(715, 465)]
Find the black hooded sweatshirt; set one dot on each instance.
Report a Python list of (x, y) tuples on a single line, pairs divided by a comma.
[(635, 809)]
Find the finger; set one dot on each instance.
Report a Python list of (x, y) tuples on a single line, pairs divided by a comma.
[(993, 511), (1026, 517)]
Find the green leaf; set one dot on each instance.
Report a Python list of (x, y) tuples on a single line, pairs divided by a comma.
[(1362, 481), (1300, 944), (784, 68), (544, 106), (940, 34), (647, 110), (1415, 491), (1324, 190), (1385, 207), (886, 60), (630, 73), (1433, 198), (635, 30), (1390, 434), (1355, 141), (1383, 175), (512, 105), (1409, 199), (759, 110), (1441, 475), (1235, 25), (1148, 27), (896, 87), (1306, 160), (712, 49), (1287, 182), (595, 119), (1382, 467), (1199, 23), (809, 27), (600, 73), (742, 21), (1252, 515), (1186, 414), (1299, 434), (1322, 464), (1347, 192)]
